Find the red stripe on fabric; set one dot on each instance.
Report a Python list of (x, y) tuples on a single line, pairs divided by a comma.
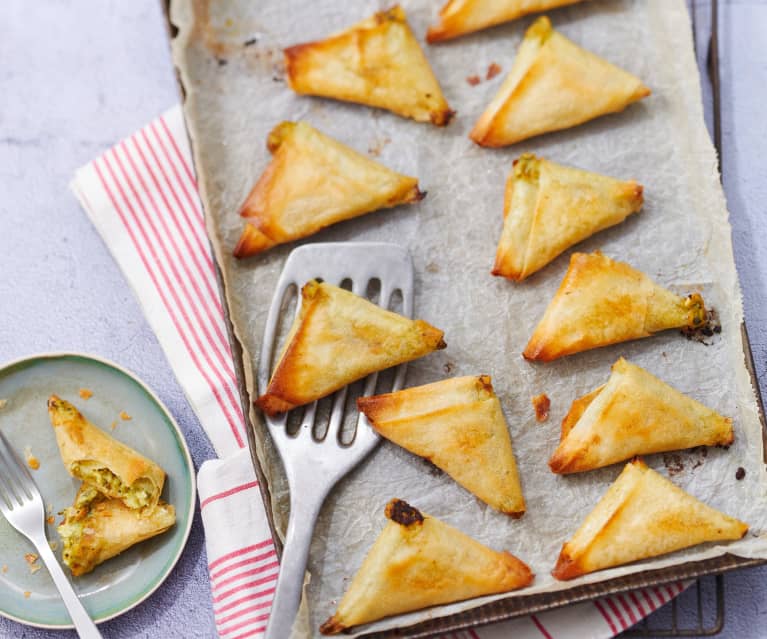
[(627, 608), (637, 603), (242, 624), (244, 562), (671, 593), (540, 627), (228, 493), (173, 294), (649, 600), (239, 613), (679, 587), (473, 633), (207, 268), (661, 597), (247, 573), (241, 587), (251, 633), (153, 277), (250, 597), (169, 247), (194, 201), (238, 552), (616, 611), (606, 616), (181, 157)]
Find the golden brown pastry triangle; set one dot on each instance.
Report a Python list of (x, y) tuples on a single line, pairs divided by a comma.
[(338, 338), (419, 561), (93, 456), (635, 413), (549, 207), (377, 62), (642, 515), (97, 528), (554, 84), (600, 302), (314, 181), (458, 425), (459, 17)]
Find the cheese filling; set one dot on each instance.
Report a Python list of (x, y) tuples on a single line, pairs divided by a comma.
[(137, 495)]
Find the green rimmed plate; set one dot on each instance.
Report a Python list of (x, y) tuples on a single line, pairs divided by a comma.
[(126, 580)]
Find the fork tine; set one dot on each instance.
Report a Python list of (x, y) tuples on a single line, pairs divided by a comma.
[(5, 491), (14, 479)]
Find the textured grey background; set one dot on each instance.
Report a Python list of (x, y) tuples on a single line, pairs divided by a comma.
[(76, 76)]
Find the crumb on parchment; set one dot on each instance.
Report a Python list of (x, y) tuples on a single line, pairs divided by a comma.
[(124, 416), (541, 404), (85, 393), (493, 70)]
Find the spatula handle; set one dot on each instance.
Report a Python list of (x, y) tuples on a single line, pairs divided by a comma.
[(287, 598)]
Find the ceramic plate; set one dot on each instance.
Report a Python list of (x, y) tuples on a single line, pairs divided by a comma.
[(126, 580)]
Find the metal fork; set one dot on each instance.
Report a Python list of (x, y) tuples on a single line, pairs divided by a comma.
[(312, 464), (22, 505)]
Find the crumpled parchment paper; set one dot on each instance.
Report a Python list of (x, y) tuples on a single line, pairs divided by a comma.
[(230, 59)]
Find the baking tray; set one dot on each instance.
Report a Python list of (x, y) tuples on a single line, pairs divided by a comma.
[(520, 605)]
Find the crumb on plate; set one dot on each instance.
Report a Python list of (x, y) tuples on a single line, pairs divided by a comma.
[(86, 393), (32, 461), (3, 403), (54, 545), (50, 519), (124, 416), (27, 594), (473, 80), (113, 425), (30, 558), (5, 568), (541, 404)]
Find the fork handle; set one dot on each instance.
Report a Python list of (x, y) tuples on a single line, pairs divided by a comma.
[(84, 625), (295, 552)]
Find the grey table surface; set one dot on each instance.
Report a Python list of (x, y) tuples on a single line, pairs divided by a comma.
[(76, 76)]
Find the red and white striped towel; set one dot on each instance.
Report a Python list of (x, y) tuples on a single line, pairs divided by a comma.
[(141, 195)]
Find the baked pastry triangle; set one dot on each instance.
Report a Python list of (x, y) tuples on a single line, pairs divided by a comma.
[(419, 561), (635, 413), (377, 62), (338, 338), (314, 181), (97, 528), (600, 302), (459, 17), (549, 207), (554, 84), (642, 515), (459, 426), (90, 454)]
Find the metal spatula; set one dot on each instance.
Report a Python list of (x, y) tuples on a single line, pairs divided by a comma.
[(313, 464)]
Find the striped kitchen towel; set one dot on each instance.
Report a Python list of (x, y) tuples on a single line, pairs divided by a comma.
[(141, 195)]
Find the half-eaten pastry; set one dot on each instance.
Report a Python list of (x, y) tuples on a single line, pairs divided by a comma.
[(314, 181), (419, 561), (377, 62), (548, 208), (601, 302), (634, 413), (459, 17), (642, 515), (458, 425), (554, 84), (98, 459), (337, 338), (97, 528)]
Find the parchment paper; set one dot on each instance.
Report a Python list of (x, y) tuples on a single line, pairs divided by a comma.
[(230, 60)]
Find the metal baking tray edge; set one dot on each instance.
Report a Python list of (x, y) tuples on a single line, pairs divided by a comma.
[(516, 605)]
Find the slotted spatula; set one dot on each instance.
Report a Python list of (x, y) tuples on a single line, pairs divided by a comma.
[(314, 464)]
